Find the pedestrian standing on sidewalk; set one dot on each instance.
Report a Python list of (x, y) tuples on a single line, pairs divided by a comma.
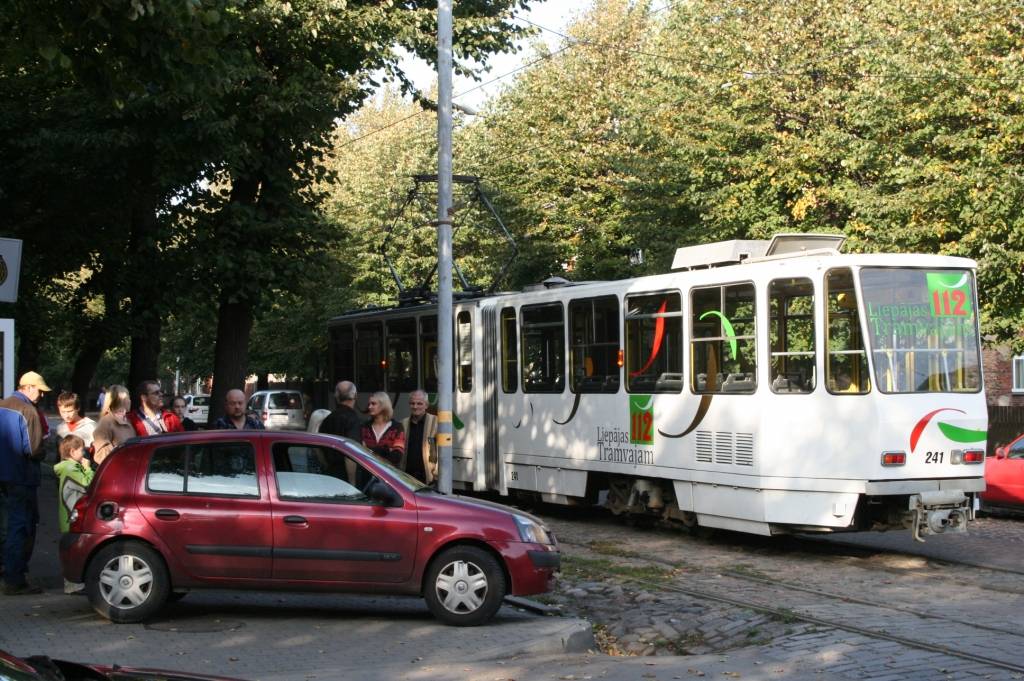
[(19, 474), (74, 473), (113, 428), (72, 422), (150, 418), (235, 417), (382, 435), (344, 420), (178, 407)]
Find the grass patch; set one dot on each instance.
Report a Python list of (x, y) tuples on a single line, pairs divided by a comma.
[(610, 548), (746, 570), (591, 569)]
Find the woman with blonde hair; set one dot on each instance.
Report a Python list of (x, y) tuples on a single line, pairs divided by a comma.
[(113, 427), (381, 434)]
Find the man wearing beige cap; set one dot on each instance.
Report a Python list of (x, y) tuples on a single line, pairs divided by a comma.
[(19, 480)]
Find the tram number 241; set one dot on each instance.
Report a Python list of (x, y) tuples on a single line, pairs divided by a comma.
[(934, 457)]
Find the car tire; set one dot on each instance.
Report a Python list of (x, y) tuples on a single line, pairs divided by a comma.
[(127, 582), (464, 586)]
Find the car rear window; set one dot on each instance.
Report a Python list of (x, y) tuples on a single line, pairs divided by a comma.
[(285, 401), (217, 468), (201, 401)]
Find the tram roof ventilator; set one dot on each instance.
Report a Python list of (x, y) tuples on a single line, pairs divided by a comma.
[(738, 251)]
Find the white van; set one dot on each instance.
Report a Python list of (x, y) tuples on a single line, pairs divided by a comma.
[(278, 409)]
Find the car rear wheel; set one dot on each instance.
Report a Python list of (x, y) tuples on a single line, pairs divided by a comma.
[(464, 586), (127, 582)]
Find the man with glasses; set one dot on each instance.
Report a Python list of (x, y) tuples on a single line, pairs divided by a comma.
[(150, 418)]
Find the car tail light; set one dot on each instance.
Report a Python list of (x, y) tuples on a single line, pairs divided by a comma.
[(974, 456), (77, 514), (894, 458)]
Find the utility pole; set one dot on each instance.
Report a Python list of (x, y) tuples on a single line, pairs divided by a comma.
[(444, 245)]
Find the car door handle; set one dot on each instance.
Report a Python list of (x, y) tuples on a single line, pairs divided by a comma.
[(167, 514), (295, 520)]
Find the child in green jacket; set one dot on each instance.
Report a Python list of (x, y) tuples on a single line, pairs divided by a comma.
[(74, 473)]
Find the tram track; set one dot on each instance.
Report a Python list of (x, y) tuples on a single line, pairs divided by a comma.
[(950, 636)]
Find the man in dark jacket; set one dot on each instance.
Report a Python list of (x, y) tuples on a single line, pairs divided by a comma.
[(344, 420), (19, 478)]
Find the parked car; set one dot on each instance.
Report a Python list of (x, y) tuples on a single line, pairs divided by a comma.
[(197, 408), (40, 668), (288, 510), (278, 409), (1004, 476)]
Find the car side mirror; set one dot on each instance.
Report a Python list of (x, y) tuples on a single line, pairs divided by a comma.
[(1000, 452), (381, 493)]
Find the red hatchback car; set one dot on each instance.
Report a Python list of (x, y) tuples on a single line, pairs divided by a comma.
[(297, 511), (1004, 476)]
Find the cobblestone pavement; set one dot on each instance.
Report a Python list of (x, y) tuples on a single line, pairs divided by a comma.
[(855, 614)]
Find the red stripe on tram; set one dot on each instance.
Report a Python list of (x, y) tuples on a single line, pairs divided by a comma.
[(659, 336)]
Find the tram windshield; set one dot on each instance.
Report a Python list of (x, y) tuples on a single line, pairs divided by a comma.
[(922, 329)]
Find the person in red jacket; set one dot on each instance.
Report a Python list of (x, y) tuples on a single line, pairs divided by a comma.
[(150, 418)]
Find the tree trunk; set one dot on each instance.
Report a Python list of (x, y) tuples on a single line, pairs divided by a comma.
[(231, 355), (86, 362), (144, 362)]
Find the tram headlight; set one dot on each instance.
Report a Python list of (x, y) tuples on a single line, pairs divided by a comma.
[(531, 531)]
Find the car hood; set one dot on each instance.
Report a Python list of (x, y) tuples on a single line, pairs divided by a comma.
[(40, 668), (473, 502)]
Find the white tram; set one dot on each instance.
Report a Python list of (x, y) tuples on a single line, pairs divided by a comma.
[(765, 387)]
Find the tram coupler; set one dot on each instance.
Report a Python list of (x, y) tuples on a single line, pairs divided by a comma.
[(937, 512)]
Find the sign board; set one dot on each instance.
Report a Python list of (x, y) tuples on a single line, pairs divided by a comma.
[(7, 355), (10, 269)]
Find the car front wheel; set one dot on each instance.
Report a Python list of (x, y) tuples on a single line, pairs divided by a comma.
[(465, 586), (127, 582)]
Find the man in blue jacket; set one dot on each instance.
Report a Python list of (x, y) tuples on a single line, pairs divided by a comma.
[(21, 450)]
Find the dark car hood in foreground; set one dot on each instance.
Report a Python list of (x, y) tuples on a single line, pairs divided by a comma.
[(40, 668)]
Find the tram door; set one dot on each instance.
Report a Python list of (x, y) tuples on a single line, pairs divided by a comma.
[(466, 417)]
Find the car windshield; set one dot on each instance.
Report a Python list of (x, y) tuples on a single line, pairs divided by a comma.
[(923, 329), (410, 483)]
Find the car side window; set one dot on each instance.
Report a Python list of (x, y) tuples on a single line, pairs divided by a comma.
[(310, 473), (1016, 450), (217, 468)]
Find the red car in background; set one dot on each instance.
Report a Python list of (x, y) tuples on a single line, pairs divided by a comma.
[(1004, 476), (291, 510)]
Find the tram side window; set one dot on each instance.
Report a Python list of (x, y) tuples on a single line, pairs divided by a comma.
[(594, 352), (464, 346), (846, 365), (791, 335), (509, 351), (370, 357), (428, 353), (723, 348), (543, 348), (401, 359), (654, 343), (342, 350)]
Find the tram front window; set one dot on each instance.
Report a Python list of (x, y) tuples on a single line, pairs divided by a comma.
[(922, 329)]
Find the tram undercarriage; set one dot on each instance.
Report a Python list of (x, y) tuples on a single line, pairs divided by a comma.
[(925, 512)]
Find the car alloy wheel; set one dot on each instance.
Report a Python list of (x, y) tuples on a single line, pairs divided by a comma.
[(127, 582), (465, 586)]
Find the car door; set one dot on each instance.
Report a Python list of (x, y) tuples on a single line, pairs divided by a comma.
[(326, 528), (205, 502), (1004, 476)]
